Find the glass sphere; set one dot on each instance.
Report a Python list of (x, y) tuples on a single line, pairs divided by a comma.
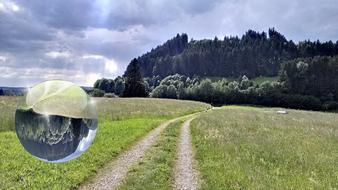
[(56, 121)]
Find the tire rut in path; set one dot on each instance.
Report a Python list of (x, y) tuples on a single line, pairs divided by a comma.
[(112, 175), (185, 173)]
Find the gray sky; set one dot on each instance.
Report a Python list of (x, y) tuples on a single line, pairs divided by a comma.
[(83, 40)]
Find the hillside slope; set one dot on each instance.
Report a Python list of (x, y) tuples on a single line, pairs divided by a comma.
[(254, 54)]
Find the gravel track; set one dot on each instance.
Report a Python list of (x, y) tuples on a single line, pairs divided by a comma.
[(115, 172), (185, 173)]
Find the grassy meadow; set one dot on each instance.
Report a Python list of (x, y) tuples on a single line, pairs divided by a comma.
[(260, 80), (257, 80), (237, 147), (256, 148), (7, 112), (121, 123)]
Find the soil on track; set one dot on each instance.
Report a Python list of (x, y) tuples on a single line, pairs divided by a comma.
[(186, 174)]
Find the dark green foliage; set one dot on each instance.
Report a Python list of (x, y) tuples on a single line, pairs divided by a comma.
[(97, 93), (316, 76), (115, 86), (1, 92), (134, 84), (239, 92), (149, 61), (159, 92), (107, 85), (330, 105), (119, 85), (171, 92), (254, 54), (164, 91)]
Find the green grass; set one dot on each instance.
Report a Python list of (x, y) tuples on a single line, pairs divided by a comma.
[(257, 80), (255, 148), (155, 171), (7, 112), (19, 170), (120, 108), (114, 109), (260, 80), (121, 123)]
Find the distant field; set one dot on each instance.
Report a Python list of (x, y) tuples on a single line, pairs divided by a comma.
[(113, 109), (121, 123), (255, 148), (260, 80), (257, 80)]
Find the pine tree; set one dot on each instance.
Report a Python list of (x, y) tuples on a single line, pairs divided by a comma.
[(134, 85)]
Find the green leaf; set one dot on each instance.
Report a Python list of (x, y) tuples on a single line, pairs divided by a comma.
[(60, 98)]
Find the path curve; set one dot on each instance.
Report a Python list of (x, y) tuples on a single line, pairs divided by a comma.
[(186, 174), (112, 175)]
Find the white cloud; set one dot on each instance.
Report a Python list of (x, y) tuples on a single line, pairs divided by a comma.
[(15, 8), (110, 64), (28, 77), (3, 59), (56, 54), (91, 78), (2, 6), (85, 40), (8, 6)]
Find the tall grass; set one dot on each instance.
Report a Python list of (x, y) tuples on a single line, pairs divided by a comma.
[(113, 109), (121, 123), (7, 112), (255, 148)]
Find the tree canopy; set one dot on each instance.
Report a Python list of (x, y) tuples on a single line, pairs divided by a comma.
[(134, 84), (254, 54)]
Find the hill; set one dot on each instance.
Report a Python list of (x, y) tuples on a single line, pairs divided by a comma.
[(254, 54)]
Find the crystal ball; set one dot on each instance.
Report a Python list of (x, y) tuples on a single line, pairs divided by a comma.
[(56, 121)]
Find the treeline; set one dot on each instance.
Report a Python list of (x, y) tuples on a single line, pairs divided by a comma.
[(307, 83), (108, 87), (12, 91), (254, 54), (130, 85)]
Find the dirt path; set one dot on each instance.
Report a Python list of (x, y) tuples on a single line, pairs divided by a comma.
[(115, 172), (186, 174)]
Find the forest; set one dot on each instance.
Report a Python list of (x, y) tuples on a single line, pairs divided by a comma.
[(307, 72), (254, 54)]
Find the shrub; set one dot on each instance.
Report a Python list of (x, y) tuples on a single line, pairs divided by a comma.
[(97, 93), (110, 95), (330, 105)]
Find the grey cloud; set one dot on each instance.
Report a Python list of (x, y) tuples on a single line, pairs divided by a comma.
[(120, 30), (18, 31), (62, 14), (119, 14)]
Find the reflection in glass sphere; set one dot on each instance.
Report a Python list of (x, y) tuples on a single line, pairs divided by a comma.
[(57, 122)]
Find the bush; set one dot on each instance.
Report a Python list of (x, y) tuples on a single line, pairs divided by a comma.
[(110, 95), (301, 102), (171, 92), (159, 92), (97, 93), (243, 92), (330, 105)]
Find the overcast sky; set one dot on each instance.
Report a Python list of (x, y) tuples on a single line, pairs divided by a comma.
[(83, 40)]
